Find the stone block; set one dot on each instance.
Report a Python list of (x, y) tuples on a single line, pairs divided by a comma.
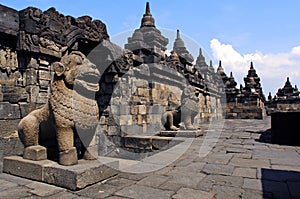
[(9, 20), (44, 84), (134, 110), (35, 153), (140, 83), (42, 98), (9, 111), (26, 108), (182, 133), (85, 173), (18, 166), (14, 94), (79, 176), (124, 110), (44, 75), (142, 109), (125, 120), (113, 130), (139, 119), (102, 120), (138, 142), (31, 76), (9, 126)]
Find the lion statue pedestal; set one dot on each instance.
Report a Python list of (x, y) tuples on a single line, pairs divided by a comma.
[(67, 118), (66, 111), (180, 122)]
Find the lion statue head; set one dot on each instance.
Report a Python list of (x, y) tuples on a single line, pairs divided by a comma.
[(77, 71)]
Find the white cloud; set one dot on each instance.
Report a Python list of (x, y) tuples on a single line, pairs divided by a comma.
[(272, 68)]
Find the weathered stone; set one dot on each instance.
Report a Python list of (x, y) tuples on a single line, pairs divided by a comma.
[(16, 165), (79, 176), (9, 111), (43, 190), (218, 169), (9, 20), (125, 120), (72, 177), (35, 153), (245, 172), (253, 163), (184, 193), (138, 142), (252, 184), (182, 133), (138, 191), (67, 106), (142, 109), (153, 181)]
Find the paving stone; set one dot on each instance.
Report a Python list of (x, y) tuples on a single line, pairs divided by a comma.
[(218, 158), (185, 193), (98, 190), (194, 167), (277, 156), (252, 184), (120, 182), (235, 150), (253, 163), (6, 185), (15, 179), (286, 167), (254, 194), (286, 160), (115, 197), (218, 169), (189, 180), (210, 180), (245, 172), (42, 189), (225, 192), (153, 181), (63, 195), (15, 192), (138, 191)]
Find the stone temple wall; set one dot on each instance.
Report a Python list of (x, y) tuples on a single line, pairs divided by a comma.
[(30, 40), (133, 95)]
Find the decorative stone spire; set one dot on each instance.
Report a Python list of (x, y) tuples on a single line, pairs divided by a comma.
[(251, 65), (269, 97), (181, 50), (201, 59), (252, 83), (178, 42), (220, 69), (147, 41), (147, 20)]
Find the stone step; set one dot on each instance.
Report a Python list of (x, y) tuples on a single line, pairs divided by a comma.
[(182, 133), (150, 143)]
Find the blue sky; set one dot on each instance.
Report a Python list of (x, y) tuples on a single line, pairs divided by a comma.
[(237, 32)]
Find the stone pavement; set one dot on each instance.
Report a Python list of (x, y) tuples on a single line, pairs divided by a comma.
[(242, 164)]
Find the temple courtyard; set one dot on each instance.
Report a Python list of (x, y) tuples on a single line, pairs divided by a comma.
[(242, 163)]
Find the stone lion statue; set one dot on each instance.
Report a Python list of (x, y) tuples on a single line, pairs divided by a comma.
[(67, 110), (185, 113)]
